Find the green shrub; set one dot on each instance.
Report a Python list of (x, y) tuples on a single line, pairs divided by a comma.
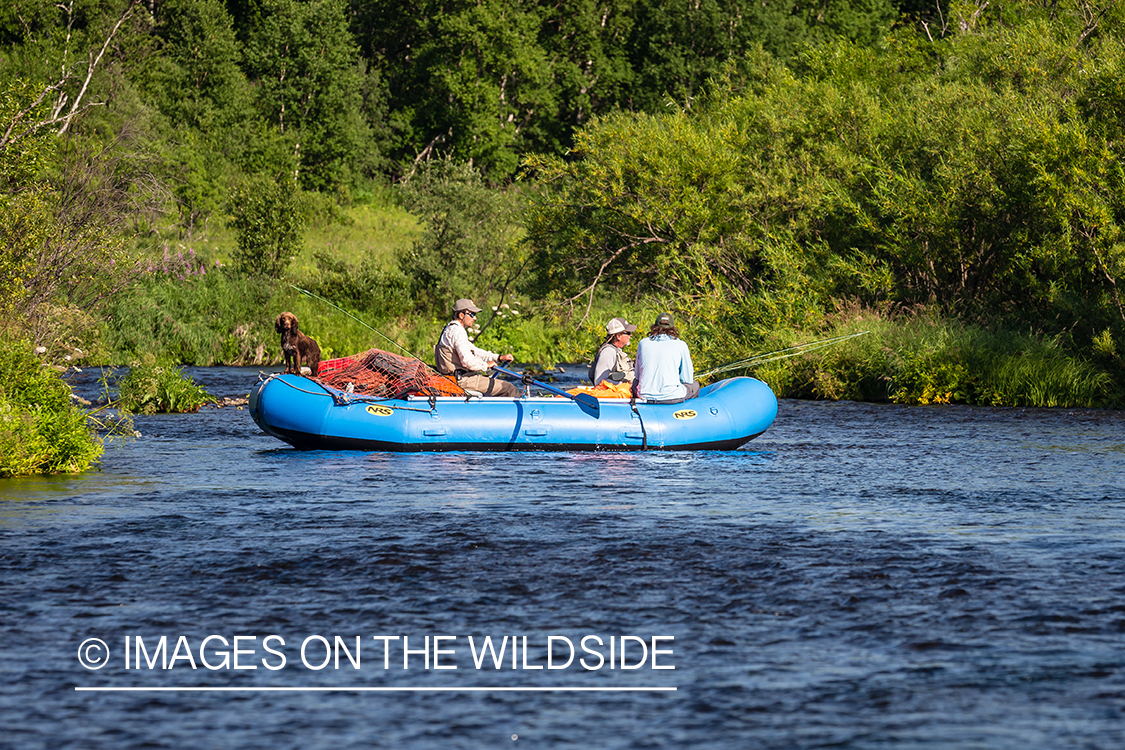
[(41, 430), (364, 287), (470, 243), (151, 388), (923, 359)]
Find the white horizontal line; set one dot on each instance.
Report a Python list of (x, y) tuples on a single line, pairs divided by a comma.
[(375, 689)]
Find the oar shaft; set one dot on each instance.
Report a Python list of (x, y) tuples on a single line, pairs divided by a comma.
[(584, 399), (544, 386)]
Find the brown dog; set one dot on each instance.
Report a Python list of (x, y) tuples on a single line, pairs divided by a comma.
[(296, 347)]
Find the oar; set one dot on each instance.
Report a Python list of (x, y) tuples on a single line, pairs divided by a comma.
[(585, 399)]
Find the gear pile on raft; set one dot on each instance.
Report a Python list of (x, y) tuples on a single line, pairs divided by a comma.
[(381, 374)]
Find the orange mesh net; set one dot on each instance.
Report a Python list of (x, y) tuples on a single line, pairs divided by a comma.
[(385, 375)]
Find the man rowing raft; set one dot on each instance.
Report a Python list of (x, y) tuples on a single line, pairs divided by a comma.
[(456, 356)]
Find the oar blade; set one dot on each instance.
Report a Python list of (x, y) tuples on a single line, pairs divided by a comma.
[(588, 401)]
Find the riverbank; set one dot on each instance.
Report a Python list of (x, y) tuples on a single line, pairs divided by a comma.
[(192, 308), (908, 359)]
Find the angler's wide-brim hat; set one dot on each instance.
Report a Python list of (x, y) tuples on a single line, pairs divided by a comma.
[(619, 325), (465, 305)]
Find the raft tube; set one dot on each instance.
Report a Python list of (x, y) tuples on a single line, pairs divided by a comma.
[(311, 416)]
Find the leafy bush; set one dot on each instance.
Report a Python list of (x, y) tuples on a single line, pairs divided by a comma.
[(267, 220), (470, 245), (151, 388), (367, 286), (41, 430)]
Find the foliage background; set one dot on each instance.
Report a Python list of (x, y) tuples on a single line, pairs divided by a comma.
[(949, 176)]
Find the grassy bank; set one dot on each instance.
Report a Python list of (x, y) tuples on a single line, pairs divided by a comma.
[(191, 309), (923, 359)]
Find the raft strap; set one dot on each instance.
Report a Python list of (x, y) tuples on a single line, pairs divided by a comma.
[(644, 433)]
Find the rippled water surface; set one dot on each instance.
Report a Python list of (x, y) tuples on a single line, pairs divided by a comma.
[(861, 576)]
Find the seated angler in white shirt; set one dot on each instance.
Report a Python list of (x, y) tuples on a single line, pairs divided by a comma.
[(455, 355)]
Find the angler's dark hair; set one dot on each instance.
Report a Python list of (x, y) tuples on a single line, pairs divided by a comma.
[(666, 330)]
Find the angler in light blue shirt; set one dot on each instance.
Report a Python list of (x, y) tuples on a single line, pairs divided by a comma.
[(664, 372)]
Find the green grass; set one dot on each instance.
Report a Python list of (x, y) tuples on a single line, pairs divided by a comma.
[(923, 359), (365, 231), (201, 320), (373, 229)]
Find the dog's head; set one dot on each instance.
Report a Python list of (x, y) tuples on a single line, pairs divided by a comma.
[(287, 321)]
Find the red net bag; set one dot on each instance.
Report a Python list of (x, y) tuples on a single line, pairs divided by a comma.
[(385, 375)]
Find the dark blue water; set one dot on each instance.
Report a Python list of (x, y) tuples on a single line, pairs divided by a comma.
[(862, 576)]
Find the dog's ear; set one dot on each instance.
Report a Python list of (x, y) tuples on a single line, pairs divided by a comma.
[(277, 323)]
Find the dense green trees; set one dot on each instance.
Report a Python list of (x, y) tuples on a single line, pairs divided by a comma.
[(335, 92), (977, 174), (304, 66), (757, 167), (492, 80), (195, 81)]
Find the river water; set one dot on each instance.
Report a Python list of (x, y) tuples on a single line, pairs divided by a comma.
[(861, 576)]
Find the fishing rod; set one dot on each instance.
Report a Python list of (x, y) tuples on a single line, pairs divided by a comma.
[(793, 351), (336, 307), (361, 322)]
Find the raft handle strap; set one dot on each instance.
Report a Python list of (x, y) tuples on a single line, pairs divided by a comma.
[(644, 433)]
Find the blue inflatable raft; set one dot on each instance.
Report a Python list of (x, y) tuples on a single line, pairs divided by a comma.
[(309, 415)]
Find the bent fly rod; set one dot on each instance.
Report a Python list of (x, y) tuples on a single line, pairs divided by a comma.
[(371, 328), (789, 351), (339, 309)]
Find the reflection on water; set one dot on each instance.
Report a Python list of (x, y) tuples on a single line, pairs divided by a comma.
[(859, 576)]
